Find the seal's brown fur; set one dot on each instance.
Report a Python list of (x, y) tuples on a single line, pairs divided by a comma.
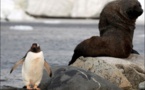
[(117, 24)]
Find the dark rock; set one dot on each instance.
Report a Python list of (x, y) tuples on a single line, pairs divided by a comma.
[(10, 88), (72, 78), (44, 81)]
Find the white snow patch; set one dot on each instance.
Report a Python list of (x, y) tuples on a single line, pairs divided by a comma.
[(13, 10), (141, 18), (21, 28), (52, 22)]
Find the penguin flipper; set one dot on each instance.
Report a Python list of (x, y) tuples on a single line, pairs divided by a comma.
[(16, 64), (47, 68)]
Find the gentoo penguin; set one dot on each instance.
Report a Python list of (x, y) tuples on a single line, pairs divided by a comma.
[(32, 68)]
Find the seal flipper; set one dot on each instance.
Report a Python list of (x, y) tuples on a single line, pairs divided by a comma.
[(47, 68), (16, 64), (134, 52)]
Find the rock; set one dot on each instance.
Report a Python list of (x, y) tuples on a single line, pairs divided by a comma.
[(72, 78), (132, 67), (142, 86), (103, 69), (134, 74), (10, 88), (132, 59), (44, 82)]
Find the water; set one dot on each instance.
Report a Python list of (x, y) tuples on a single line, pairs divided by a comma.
[(56, 41)]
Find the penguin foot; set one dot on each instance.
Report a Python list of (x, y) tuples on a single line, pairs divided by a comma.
[(28, 87), (36, 87)]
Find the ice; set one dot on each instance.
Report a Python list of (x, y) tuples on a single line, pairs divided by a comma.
[(21, 27)]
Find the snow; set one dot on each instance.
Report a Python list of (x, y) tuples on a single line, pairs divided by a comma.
[(21, 27), (141, 19), (13, 10)]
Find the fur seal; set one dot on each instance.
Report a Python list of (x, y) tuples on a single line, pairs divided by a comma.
[(32, 68), (116, 25)]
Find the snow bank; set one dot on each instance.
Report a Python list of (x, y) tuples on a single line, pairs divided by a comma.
[(14, 10)]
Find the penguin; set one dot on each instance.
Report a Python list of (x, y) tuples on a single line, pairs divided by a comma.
[(32, 67)]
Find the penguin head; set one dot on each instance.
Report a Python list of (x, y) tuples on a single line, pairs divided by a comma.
[(35, 48)]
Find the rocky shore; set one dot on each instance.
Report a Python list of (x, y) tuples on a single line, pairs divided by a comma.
[(101, 73), (72, 78)]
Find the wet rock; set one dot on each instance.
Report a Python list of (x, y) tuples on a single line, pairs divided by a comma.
[(72, 78), (10, 88), (103, 69), (44, 82)]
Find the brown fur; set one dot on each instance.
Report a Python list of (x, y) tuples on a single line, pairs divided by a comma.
[(117, 24)]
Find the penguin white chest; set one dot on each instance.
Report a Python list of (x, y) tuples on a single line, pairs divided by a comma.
[(32, 69)]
